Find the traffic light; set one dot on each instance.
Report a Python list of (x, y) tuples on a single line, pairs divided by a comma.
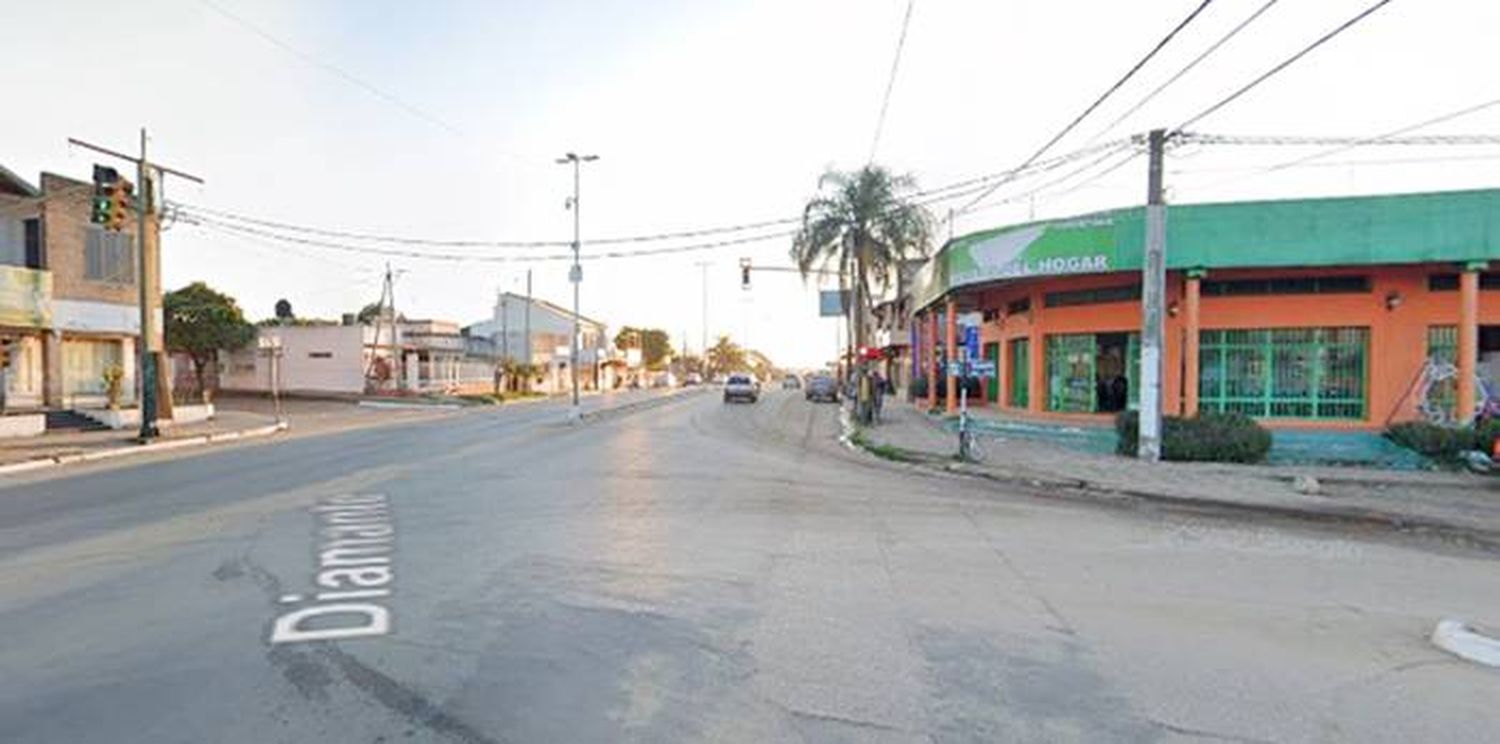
[(744, 273), (119, 204)]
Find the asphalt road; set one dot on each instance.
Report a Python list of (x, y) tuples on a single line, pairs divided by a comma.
[(697, 572)]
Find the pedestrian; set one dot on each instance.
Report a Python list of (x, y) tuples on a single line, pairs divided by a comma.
[(878, 394)]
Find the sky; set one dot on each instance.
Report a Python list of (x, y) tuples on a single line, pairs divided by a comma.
[(443, 120)]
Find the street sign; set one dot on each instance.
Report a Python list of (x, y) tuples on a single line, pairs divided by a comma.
[(575, 274), (975, 368), (831, 302), (971, 341)]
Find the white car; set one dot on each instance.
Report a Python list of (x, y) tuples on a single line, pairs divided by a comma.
[(741, 387)]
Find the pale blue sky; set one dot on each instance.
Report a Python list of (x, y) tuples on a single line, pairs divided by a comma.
[(705, 113)]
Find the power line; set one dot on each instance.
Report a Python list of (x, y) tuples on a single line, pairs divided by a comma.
[(1303, 141), (331, 68), (1131, 153), (488, 258), (1103, 97), (1394, 133), (1348, 163), (1186, 68), (1346, 25), (927, 196), (890, 82)]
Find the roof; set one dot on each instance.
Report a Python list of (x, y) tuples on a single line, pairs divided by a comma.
[(560, 310), (13, 184), (1340, 231)]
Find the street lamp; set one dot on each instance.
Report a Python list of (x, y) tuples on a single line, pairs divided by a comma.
[(575, 274)]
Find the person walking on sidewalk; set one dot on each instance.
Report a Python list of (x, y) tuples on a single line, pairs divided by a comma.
[(877, 394)]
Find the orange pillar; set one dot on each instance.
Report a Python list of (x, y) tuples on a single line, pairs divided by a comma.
[(950, 351), (1190, 323), (929, 356), (1468, 337)]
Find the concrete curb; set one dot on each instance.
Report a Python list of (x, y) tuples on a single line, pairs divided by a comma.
[(384, 404), (117, 452), (1085, 490), (1461, 641)]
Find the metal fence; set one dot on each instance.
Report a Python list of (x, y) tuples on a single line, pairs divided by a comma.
[(1313, 373)]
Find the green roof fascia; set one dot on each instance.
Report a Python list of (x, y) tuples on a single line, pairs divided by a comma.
[(1456, 226)]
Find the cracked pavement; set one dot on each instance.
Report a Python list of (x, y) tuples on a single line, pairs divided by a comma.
[(703, 572)]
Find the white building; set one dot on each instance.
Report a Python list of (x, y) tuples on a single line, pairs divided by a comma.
[(414, 355), (537, 332)]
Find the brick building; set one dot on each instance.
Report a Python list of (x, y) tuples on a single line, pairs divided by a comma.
[(68, 295)]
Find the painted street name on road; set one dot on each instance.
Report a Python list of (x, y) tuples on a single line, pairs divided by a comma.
[(354, 571)]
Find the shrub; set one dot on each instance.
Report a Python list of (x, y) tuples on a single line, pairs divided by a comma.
[(1444, 443), (1207, 437), (1485, 434)]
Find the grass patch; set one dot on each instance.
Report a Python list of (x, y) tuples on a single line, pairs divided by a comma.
[(883, 451)]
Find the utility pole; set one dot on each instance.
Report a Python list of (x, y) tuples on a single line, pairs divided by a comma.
[(504, 328), (1153, 303), (528, 317), (703, 340), (148, 246), (575, 274)]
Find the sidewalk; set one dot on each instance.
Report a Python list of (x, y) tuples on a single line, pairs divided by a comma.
[(1447, 502), (73, 445)]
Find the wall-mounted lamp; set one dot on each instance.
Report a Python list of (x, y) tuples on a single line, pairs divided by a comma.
[(1173, 309), (1393, 300)]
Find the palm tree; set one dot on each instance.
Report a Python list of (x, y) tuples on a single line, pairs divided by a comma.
[(865, 223), (725, 356)]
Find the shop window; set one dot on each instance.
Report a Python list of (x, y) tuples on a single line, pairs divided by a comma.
[(1017, 307), (1449, 282), (1089, 372), (1286, 286), (1096, 296), (1019, 373), (1316, 373)]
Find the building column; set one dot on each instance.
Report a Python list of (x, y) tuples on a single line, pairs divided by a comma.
[(1190, 337), (929, 360), (52, 369), (1037, 392), (950, 335), (1468, 337)]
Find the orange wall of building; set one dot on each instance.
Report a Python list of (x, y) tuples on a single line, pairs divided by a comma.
[(1397, 342)]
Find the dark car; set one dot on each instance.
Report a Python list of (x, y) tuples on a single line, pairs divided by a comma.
[(822, 387)]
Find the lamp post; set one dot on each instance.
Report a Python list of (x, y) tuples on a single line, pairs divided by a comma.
[(575, 274)]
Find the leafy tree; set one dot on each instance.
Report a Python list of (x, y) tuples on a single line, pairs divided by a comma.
[(725, 356), (654, 343), (369, 313), (200, 322), (863, 223), (284, 310)]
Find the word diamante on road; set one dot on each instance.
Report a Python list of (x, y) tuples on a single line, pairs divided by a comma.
[(354, 570)]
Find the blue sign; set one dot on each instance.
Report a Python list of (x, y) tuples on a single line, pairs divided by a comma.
[(982, 368), (971, 341)]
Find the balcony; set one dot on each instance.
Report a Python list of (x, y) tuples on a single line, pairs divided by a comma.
[(25, 297)]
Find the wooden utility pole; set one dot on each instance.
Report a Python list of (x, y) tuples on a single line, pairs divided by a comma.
[(1153, 303), (153, 376)]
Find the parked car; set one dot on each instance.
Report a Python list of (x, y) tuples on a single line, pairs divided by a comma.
[(791, 382), (741, 387), (821, 388), (693, 378)]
